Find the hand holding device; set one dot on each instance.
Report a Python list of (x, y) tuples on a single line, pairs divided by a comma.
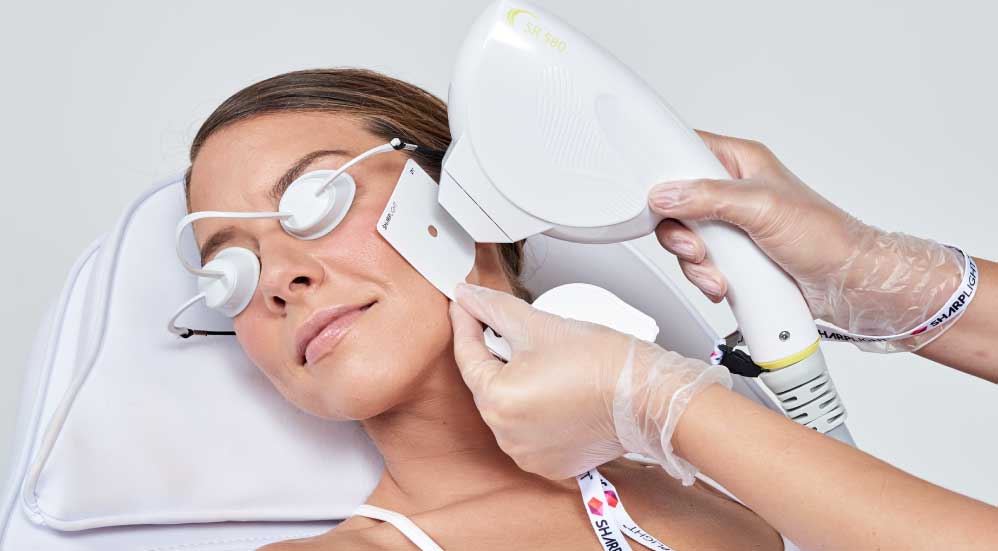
[(853, 275), (574, 394)]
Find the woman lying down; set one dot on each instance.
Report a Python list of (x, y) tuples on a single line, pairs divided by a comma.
[(387, 358)]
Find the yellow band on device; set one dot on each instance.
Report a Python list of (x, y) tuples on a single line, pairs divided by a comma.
[(790, 360)]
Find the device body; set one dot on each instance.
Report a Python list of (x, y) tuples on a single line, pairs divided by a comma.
[(552, 134)]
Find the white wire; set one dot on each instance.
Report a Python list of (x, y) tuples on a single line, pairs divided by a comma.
[(172, 324), (393, 145), (369, 153), (195, 216)]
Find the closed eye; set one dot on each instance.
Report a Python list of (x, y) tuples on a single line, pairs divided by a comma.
[(224, 236)]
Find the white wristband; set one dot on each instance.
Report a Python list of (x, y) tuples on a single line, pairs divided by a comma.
[(948, 313)]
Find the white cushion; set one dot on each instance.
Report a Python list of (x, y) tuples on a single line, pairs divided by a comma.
[(157, 429)]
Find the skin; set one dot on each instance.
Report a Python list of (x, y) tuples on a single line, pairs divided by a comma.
[(395, 369), (857, 501), (969, 344)]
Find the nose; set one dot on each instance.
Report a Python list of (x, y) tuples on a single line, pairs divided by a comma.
[(287, 276)]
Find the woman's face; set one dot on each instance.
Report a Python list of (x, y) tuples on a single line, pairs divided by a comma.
[(392, 326)]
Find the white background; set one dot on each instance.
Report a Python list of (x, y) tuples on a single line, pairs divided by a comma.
[(888, 109)]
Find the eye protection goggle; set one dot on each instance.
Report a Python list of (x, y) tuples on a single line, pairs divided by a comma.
[(312, 206)]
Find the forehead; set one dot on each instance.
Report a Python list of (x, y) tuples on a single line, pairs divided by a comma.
[(237, 164)]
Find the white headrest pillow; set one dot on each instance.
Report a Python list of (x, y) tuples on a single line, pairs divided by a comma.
[(156, 429)]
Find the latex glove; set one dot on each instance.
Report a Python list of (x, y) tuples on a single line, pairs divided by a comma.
[(574, 395), (856, 276)]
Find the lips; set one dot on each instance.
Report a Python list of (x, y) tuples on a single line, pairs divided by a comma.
[(323, 330)]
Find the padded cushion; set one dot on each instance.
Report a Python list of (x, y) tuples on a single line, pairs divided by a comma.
[(157, 429)]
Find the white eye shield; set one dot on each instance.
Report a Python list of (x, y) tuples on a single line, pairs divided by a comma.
[(311, 207)]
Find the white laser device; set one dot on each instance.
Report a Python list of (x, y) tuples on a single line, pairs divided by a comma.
[(552, 134)]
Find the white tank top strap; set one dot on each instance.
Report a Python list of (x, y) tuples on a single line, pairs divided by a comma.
[(404, 525)]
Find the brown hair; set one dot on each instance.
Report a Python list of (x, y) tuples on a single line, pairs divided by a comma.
[(385, 106)]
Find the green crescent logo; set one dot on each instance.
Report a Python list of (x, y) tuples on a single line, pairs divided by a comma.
[(511, 15)]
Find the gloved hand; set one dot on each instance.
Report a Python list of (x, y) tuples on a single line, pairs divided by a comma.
[(574, 395), (855, 276)]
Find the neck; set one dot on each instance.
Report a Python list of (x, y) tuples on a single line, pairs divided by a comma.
[(439, 431)]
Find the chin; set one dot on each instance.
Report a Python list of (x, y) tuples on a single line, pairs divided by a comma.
[(358, 392), (369, 372), (382, 361)]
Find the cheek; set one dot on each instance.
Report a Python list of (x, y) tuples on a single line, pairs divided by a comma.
[(264, 345), (386, 356), (396, 346), (269, 354), (259, 344)]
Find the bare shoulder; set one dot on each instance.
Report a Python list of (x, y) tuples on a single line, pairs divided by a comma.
[(697, 516)]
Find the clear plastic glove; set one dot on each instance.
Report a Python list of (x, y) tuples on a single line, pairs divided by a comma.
[(855, 276), (574, 395)]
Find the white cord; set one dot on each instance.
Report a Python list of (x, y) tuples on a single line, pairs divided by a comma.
[(195, 216), (172, 324), (393, 145)]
